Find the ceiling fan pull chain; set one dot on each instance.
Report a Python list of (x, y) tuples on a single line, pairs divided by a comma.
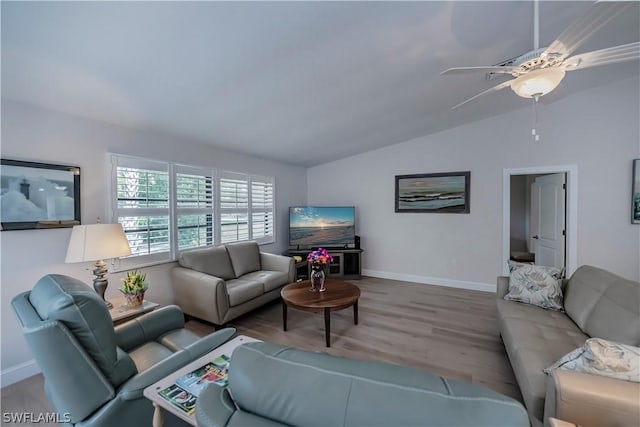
[(535, 135)]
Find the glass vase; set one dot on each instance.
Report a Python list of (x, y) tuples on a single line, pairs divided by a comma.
[(317, 278)]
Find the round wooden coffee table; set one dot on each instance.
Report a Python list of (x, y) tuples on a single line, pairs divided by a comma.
[(338, 296)]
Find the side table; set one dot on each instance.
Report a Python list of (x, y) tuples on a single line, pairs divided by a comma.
[(121, 312)]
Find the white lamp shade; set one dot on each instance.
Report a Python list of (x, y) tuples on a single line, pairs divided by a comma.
[(537, 82), (97, 242)]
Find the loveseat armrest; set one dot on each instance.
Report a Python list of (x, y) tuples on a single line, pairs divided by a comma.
[(148, 327), (503, 287), (591, 400), (273, 262), (214, 407), (199, 294)]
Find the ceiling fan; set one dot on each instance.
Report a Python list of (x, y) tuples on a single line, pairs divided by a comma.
[(540, 71)]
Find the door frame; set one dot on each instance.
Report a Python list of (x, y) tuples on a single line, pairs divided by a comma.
[(571, 253)]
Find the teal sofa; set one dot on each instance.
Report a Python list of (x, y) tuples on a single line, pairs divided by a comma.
[(270, 386)]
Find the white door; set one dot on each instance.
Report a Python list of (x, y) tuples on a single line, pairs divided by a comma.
[(548, 225)]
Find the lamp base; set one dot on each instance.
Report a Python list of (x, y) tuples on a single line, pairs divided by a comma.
[(100, 282)]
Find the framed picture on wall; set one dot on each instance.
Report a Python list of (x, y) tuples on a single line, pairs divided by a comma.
[(635, 193), (38, 195), (433, 192)]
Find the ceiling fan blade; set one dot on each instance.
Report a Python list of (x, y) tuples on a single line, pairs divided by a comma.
[(586, 26), (490, 90), (610, 55), (487, 69)]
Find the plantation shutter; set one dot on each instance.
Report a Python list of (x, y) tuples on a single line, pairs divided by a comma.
[(142, 206), (262, 202), (195, 195), (234, 207)]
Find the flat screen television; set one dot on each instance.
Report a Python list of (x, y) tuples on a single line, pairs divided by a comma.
[(322, 226)]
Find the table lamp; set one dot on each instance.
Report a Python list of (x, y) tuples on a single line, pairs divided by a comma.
[(97, 242)]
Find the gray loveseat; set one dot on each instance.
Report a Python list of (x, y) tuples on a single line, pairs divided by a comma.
[(597, 303), (220, 283), (273, 386)]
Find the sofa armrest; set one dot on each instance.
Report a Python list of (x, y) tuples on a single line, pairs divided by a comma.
[(214, 407), (282, 263), (148, 327), (503, 287), (199, 294), (591, 400)]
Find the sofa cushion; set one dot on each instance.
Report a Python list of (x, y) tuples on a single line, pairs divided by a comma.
[(604, 305), (245, 257), (212, 260), (535, 284), (534, 339), (270, 279), (241, 290), (604, 358)]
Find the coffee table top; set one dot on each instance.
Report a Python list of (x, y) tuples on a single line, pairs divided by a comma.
[(339, 295)]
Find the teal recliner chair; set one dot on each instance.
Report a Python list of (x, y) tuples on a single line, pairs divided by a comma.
[(94, 373)]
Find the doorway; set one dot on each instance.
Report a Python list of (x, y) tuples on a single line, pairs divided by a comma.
[(540, 216)]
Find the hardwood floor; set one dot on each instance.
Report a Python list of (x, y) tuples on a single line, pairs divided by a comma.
[(449, 332)]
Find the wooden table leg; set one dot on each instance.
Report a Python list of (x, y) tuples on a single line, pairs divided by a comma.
[(355, 313), (284, 315), (327, 326)]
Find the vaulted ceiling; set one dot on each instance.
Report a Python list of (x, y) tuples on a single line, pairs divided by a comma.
[(299, 82)]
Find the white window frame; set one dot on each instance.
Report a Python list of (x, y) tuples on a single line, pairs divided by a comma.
[(174, 211)]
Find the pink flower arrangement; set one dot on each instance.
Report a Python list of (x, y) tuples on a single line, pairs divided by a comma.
[(319, 256)]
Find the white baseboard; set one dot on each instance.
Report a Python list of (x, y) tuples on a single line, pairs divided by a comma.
[(462, 284), (18, 373)]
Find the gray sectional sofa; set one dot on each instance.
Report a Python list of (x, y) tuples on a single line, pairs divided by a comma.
[(270, 385), (220, 283), (597, 303)]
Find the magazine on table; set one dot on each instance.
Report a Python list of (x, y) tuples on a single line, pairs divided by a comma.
[(216, 372), (179, 398)]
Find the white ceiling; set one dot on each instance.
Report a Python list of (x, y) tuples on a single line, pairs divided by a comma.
[(299, 82)]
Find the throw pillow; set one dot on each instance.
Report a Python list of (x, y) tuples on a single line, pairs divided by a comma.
[(535, 284), (602, 357)]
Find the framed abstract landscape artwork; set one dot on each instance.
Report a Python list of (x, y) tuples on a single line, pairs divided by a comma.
[(635, 193), (433, 192)]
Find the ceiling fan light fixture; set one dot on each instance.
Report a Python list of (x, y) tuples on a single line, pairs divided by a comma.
[(537, 82)]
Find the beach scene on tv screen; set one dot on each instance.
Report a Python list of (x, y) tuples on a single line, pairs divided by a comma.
[(310, 226)]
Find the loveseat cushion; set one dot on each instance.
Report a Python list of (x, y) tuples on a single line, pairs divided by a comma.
[(241, 290), (213, 260), (245, 257), (270, 279), (604, 305)]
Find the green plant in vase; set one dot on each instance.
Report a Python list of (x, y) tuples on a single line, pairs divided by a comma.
[(133, 287)]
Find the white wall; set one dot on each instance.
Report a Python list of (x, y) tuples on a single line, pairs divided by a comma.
[(597, 130), (45, 136)]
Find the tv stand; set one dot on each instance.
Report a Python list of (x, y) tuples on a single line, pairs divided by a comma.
[(347, 263)]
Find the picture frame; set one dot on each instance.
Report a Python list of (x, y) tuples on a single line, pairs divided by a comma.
[(446, 192), (635, 193), (38, 195)]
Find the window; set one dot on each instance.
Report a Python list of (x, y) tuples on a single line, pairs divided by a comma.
[(142, 207), (166, 208), (262, 209), (194, 207)]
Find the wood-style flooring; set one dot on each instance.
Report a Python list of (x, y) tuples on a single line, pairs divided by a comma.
[(449, 332)]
